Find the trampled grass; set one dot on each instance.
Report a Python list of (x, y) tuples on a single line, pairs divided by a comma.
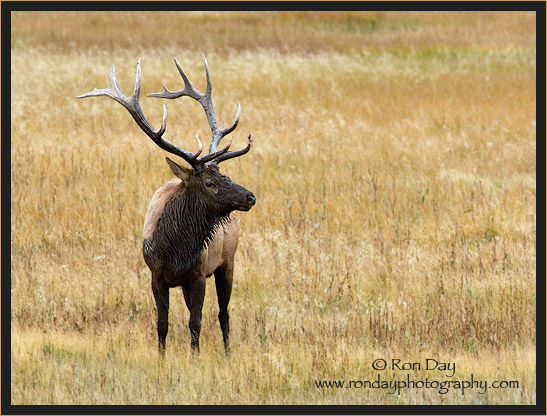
[(394, 168)]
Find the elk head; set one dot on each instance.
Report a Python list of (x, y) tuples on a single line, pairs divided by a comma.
[(203, 178)]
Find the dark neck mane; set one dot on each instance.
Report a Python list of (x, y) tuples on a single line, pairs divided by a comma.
[(183, 230)]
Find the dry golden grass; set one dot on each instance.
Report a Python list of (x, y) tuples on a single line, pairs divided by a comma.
[(394, 167)]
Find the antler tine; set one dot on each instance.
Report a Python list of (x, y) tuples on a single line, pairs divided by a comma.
[(228, 130), (199, 149), (213, 156), (132, 105), (218, 133), (188, 90), (206, 102), (229, 155)]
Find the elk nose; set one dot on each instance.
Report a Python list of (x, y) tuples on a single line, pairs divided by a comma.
[(251, 199)]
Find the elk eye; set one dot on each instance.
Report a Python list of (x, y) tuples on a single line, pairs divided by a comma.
[(208, 184)]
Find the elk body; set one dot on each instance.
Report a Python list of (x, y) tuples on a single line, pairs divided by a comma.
[(190, 230)]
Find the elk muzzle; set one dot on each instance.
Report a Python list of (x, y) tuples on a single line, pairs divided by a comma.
[(250, 200)]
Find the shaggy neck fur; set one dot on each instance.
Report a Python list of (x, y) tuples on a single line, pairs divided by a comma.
[(183, 230)]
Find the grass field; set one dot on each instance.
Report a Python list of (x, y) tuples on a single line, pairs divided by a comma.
[(394, 168)]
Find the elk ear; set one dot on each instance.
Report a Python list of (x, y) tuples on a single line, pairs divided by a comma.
[(178, 170)]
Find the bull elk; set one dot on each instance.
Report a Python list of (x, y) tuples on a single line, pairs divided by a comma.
[(190, 230)]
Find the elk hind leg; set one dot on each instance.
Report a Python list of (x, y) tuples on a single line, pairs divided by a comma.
[(161, 295)]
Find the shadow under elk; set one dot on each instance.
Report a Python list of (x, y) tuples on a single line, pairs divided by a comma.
[(190, 231)]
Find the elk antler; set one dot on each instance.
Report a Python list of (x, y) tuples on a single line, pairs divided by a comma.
[(132, 105), (206, 102)]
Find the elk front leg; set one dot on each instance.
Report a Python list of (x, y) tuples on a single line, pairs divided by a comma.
[(161, 295), (194, 300), (223, 282)]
